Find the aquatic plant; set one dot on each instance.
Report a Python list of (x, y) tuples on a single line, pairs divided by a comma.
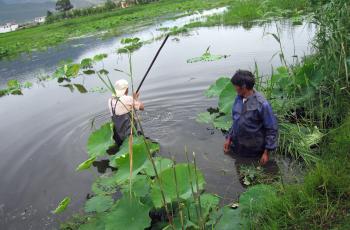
[(14, 87), (130, 45), (207, 56)]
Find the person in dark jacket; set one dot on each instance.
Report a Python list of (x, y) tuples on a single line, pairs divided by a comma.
[(254, 130)]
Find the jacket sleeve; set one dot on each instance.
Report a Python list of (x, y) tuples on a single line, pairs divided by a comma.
[(270, 126)]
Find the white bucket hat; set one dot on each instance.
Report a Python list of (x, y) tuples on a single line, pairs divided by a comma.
[(120, 87)]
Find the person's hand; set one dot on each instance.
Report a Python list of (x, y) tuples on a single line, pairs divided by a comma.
[(227, 145), (264, 158), (136, 95)]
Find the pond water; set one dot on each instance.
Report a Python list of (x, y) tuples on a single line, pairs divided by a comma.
[(43, 133)]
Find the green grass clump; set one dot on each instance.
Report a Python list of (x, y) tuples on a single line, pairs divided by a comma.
[(322, 201)]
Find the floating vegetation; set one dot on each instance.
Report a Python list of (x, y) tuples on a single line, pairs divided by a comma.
[(207, 57), (98, 89), (14, 87), (130, 45)]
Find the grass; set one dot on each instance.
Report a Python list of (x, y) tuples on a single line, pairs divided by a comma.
[(243, 11), (115, 22), (119, 21)]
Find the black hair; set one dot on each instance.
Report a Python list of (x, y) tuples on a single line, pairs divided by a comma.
[(243, 78)]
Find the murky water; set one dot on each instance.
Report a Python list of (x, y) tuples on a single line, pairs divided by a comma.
[(43, 133)]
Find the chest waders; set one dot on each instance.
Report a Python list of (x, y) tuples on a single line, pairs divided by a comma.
[(122, 125)]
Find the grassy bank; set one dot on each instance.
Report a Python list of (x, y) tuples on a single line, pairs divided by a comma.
[(123, 20), (115, 22)]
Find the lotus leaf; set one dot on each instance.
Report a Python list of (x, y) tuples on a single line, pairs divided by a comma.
[(98, 204), (184, 178), (100, 140)]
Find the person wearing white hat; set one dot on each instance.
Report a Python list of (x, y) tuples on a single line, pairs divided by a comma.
[(120, 105)]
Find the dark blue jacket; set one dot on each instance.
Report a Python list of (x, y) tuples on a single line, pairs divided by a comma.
[(254, 126)]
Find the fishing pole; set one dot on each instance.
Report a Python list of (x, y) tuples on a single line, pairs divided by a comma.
[(154, 59)]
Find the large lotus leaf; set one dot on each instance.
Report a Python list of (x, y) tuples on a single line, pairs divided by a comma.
[(208, 202), (184, 176), (100, 140), (128, 213), (160, 163), (94, 223), (124, 149), (140, 186), (206, 117), (256, 198), (140, 158), (226, 99), (216, 88), (105, 184), (98, 204), (223, 122), (207, 57), (62, 206), (231, 219)]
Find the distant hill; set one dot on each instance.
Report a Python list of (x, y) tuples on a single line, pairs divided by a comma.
[(24, 10)]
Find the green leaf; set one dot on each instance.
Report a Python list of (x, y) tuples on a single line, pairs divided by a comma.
[(86, 164), (13, 84), (223, 122), (80, 88), (231, 219), (105, 184), (62, 206), (27, 84), (100, 140), (89, 72), (98, 204), (161, 164), (206, 117), (216, 88), (140, 158), (256, 198), (72, 70), (124, 149), (184, 179), (99, 57), (94, 223), (140, 186), (129, 213), (86, 63), (226, 99)]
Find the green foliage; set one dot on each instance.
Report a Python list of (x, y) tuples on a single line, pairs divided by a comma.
[(226, 99), (130, 45), (105, 184), (14, 87), (230, 219), (62, 206), (215, 89), (98, 204), (207, 57), (100, 140), (185, 181), (86, 164), (63, 5)]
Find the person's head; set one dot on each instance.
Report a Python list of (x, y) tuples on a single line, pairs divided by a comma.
[(243, 81), (121, 87)]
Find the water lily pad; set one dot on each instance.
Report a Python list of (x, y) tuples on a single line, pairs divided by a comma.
[(129, 213), (206, 57), (98, 204), (62, 206), (100, 140), (231, 219), (226, 99), (216, 88), (184, 179)]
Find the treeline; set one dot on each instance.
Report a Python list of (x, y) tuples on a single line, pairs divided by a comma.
[(70, 12)]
